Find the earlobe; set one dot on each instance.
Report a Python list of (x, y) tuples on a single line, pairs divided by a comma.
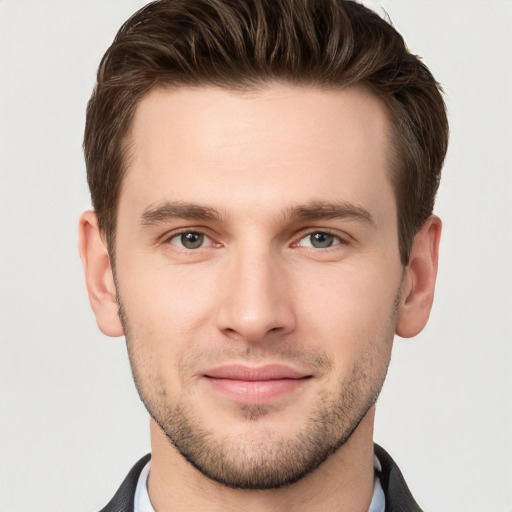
[(98, 275), (419, 280)]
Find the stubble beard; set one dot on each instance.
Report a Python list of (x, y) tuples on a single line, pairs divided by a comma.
[(268, 462)]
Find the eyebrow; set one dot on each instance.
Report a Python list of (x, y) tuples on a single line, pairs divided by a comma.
[(160, 213), (317, 210)]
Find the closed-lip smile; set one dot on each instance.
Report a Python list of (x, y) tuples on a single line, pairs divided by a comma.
[(255, 385)]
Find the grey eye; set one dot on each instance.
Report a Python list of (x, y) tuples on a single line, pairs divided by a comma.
[(320, 240), (189, 240), (192, 240)]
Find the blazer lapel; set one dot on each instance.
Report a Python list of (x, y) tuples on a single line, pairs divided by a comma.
[(123, 498), (398, 496)]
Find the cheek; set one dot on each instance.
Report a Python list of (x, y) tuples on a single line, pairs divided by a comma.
[(351, 310), (169, 300), (167, 312)]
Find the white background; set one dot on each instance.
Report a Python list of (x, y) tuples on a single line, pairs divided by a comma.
[(71, 424)]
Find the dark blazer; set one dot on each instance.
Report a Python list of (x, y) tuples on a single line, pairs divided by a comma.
[(398, 496)]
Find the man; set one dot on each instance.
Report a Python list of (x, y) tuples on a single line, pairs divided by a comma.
[(263, 176)]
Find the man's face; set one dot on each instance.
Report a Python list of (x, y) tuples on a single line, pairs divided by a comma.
[(258, 273)]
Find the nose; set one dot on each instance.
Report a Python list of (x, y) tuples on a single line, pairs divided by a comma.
[(256, 298)]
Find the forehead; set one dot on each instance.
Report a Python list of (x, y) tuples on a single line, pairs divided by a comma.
[(272, 145)]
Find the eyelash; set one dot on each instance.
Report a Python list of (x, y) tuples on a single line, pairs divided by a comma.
[(337, 239), (173, 236)]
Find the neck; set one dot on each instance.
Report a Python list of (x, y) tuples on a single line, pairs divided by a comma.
[(343, 482)]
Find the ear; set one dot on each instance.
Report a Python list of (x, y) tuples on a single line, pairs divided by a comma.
[(420, 279), (98, 275)]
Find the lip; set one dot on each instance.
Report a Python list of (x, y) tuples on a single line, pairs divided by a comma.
[(255, 385)]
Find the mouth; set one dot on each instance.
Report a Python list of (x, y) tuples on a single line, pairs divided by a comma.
[(255, 386)]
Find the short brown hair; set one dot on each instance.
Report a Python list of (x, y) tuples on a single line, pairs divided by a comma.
[(243, 44)]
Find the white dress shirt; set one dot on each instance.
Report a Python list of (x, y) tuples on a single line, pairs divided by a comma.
[(143, 503)]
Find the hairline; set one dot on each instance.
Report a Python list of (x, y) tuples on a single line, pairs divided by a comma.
[(247, 87)]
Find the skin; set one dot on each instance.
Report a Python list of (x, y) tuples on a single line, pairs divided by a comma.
[(257, 174)]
